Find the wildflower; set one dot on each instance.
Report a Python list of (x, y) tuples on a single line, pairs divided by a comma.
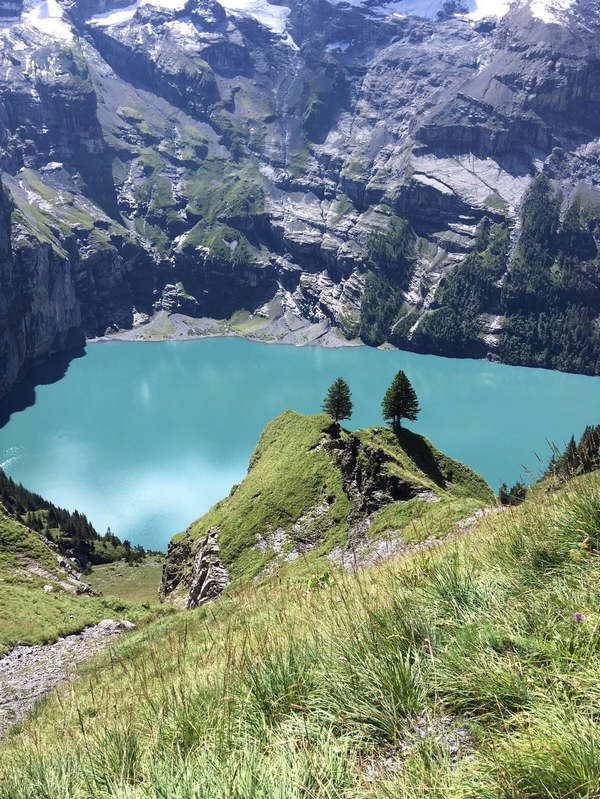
[(578, 616)]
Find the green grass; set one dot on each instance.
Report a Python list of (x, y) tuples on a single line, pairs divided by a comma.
[(466, 672), (219, 190), (286, 477), (34, 183), (218, 239), (133, 583), (297, 160), (291, 472), (28, 615), (496, 202), (342, 206)]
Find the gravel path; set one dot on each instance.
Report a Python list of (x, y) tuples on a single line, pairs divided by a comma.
[(28, 672)]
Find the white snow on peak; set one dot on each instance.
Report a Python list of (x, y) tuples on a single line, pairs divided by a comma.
[(48, 18), (546, 10), (119, 15), (550, 10), (488, 8), (429, 9), (272, 17)]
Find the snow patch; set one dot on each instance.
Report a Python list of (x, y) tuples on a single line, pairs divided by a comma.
[(120, 15), (184, 29), (550, 10), (272, 17), (546, 10), (430, 9), (489, 8), (52, 166), (48, 18), (343, 46)]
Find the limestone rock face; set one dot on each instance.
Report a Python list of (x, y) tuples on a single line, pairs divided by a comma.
[(245, 152), (194, 570)]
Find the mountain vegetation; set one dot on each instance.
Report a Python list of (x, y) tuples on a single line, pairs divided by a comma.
[(71, 532), (466, 670), (577, 458), (545, 296), (313, 488), (456, 327), (388, 195), (551, 294), (393, 254), (42, 596), (465, 666)]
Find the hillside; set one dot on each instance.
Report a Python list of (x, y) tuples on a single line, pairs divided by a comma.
[(317, 497), (70, 533), (466, 671), (42, 595)]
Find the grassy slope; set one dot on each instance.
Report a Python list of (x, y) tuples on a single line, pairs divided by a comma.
[(138, 583), (462, 672), (30, 616), (289, 472)]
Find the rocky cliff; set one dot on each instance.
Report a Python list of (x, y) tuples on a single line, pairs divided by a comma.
[(203, 157), (316, 496)]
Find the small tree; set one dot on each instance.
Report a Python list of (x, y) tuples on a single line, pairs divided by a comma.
[(337, 402), (400, 401), (515, 496)]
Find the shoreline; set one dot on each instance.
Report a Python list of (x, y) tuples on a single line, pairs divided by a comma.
[(281, 329)]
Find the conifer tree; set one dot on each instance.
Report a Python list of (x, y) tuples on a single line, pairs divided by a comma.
[(400, 401), (337, 402)]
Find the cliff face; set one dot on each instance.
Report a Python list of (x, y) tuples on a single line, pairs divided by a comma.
[(202, 159), (58, 284), (38, 307)]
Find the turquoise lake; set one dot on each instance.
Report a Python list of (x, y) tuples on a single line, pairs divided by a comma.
[(144, 437)]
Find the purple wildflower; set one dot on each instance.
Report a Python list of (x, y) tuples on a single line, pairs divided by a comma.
[(578, 616)]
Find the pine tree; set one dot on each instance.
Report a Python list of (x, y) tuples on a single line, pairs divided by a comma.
[(400, 401), (571, 457), (337, 402)]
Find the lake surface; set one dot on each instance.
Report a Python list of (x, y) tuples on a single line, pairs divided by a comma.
[(145, 437)]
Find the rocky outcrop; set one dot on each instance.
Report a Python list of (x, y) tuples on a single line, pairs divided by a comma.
[(368, 483), (193, 573), (59, 286), (311, 485)]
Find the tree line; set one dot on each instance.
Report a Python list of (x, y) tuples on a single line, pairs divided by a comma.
[(547, 293), (578, 457), (71, 531)]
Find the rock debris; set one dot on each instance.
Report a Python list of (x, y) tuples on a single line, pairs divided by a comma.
[(28, 672)]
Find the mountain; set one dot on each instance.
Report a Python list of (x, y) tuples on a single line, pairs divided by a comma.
[(317, 497), (313, 164)]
